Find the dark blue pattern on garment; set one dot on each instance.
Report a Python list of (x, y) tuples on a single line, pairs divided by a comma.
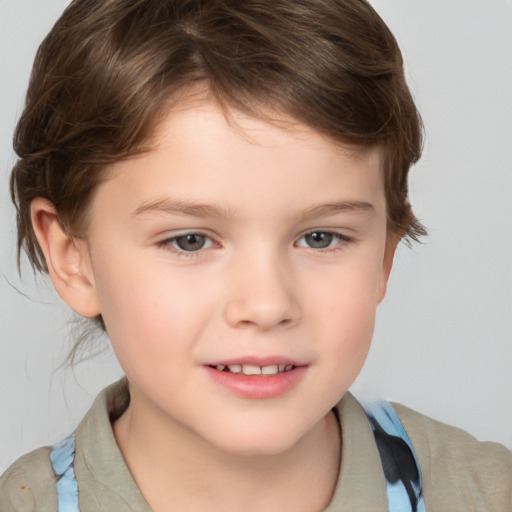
[(403, 476), (399, 462)]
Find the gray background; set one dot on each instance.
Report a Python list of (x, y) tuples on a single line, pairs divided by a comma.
[(443, 340)]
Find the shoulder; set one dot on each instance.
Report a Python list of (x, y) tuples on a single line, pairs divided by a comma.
[(456, 467), (29, 484)]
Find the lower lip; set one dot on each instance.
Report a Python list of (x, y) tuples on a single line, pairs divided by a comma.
[(258, 387)]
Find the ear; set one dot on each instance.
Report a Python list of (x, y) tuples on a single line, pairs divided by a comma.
[(67, 260), (387, 262)]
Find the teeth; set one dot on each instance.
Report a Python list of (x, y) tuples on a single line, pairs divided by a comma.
[(269, 370), (249, 369)]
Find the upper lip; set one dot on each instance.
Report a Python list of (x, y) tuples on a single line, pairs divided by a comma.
[(257, 361)]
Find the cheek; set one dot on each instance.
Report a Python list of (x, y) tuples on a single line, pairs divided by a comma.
[(352, 326), (344, 311), (348, 292), (347, 343), (149, 310)]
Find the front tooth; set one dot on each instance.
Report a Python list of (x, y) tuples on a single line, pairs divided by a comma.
[(269, 370), (248, 369), (235, 368)]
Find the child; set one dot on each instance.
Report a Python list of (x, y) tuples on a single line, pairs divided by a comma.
[(221, 186)]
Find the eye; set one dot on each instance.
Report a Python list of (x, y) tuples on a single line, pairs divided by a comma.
[(189, 242), (321, 239)]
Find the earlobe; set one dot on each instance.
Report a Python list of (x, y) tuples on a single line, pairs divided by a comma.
[(67, 260)]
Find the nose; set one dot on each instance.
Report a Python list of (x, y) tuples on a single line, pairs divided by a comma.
[(261, 295)]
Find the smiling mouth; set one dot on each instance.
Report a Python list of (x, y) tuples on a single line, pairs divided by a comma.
[(249, 369)]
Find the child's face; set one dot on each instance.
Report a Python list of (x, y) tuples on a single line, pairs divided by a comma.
[(240, 245)]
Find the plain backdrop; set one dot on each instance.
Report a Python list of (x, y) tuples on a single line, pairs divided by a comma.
[(443, 339)]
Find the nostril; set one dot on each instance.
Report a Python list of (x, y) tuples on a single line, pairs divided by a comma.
[(262, 309)]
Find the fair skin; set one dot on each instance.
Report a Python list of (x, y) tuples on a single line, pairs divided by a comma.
[(286, 260)]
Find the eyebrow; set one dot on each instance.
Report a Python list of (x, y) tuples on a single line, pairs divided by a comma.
[(339, 207), (193, 209), (179, 207)]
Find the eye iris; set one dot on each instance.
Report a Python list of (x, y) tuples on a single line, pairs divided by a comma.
[(191, 242), (319, 239)]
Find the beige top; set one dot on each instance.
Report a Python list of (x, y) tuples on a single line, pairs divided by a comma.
[(459, 473)]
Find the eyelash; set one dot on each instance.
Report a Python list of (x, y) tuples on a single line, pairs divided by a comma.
[(167, 244), (342, 241)]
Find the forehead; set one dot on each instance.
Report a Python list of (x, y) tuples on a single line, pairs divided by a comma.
[(199, 125), (203, 152), (259, 126)]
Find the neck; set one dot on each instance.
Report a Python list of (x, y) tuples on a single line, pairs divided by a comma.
[(172, 465)]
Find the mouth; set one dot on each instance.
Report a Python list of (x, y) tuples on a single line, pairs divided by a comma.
[(251, 369), (254, 378)]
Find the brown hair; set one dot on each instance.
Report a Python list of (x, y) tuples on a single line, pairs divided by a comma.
[(105, 73)]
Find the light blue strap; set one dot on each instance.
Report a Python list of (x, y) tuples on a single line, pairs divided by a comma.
[(387, 428), (381, 416), (62, 457)]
